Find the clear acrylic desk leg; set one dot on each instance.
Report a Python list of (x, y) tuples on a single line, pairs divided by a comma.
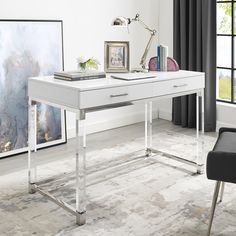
[(200, 139), (32, 144), (148, 129), (80, 169), (198, 163)]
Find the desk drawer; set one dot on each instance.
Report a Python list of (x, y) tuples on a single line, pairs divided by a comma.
[(178, 85), (101, 97)]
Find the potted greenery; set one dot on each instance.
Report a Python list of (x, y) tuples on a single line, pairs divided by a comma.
[(87, 64)]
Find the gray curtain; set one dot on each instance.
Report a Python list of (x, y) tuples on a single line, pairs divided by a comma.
[(195, 49)]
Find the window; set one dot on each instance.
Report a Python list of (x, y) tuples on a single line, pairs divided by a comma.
[(226, 51)]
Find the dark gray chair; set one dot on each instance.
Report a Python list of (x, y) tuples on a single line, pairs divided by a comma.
[(221, 165)]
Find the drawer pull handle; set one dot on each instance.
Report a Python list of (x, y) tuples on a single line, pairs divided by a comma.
[(119, 95), (180, 85)]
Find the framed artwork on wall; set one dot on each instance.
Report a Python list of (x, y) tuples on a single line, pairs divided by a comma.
[(116, 57), (28, 48)]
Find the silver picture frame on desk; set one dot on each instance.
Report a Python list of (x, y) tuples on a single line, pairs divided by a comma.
[(28, 48), (116, 56)]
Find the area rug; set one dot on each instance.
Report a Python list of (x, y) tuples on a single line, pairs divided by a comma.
[(127, 194)]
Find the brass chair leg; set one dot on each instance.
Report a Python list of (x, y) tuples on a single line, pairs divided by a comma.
[(213, 206)]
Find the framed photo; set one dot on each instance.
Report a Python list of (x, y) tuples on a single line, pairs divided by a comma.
[(116, 56), (28, 48)]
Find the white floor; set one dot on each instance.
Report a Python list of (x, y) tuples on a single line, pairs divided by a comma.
[(127, 194)]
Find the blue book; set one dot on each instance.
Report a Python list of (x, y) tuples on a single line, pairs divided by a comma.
[(158, 58)]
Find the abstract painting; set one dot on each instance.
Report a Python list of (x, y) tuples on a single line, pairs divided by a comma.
[(28, 48)]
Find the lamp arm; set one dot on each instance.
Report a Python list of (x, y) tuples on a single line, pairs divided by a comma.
[(143, 59), (145, 26), (152, 32)]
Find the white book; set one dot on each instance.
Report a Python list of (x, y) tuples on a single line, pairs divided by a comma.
[(163, 55), (161, 58)]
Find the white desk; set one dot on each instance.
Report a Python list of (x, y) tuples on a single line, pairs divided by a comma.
[(82, 96)]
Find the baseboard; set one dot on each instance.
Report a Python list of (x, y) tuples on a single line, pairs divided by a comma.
[(220, 124), (106, 124), (165, 114), (134, 117)]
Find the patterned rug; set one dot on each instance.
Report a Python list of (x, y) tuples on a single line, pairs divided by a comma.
[(127, 195)]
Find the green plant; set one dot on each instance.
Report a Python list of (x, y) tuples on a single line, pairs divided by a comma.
[(89, 64)]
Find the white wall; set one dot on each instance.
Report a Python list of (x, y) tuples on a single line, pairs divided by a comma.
[(165, 36), (226, 114), (87, 24)]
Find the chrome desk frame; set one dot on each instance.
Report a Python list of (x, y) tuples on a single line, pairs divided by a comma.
[(80, 152)]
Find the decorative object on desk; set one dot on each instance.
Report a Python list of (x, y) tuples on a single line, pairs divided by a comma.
[(172, 65), (153, 64), (79, 75), (162, 54), (32, 54), (123, 21), (87, 64), (116, 56)]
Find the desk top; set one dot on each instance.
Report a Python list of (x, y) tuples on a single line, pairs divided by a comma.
[(109, 82), (96, 93)]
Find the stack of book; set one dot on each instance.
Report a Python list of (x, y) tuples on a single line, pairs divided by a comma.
[(162, 54), (78, 75)]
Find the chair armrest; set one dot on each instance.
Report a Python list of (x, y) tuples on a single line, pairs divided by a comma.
[(225, 129)]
